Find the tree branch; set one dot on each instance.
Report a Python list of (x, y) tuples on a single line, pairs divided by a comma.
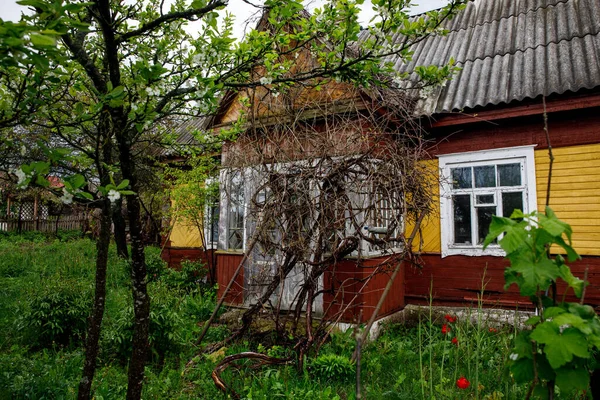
[(187, 14)]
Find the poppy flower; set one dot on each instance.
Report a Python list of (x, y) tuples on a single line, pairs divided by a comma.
[(462, 383), (450, 318), (445, 329), (455, 341), (493, 330)]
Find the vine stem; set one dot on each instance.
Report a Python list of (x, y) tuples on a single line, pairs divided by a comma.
[(550, 154)]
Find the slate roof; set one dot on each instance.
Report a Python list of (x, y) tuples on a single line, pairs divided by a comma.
[(511, 50), (184, 138)]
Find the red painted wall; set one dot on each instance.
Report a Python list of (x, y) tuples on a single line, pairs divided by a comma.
[(226, 266), (458, 281)]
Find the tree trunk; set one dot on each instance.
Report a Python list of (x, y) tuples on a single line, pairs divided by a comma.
[(95, 320), (120, 234), (141, 301)]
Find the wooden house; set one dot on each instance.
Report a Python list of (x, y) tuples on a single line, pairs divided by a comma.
[(526, 65)]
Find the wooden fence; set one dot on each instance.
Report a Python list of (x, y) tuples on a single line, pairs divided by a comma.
[(48, 224)]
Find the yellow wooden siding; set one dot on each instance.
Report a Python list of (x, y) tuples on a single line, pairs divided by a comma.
[(429, 239), (575, 191), (185, 234)]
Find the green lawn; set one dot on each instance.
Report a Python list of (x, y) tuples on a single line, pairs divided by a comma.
[(46, 289)]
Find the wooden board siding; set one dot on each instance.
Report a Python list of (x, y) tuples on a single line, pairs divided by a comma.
[(575, 191), (428, 240), (457, 280), (566, 129), (227, 263), (174, 256), (346, 284), (185, 234)]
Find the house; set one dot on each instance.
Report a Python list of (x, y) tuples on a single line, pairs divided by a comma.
[(522, 62)]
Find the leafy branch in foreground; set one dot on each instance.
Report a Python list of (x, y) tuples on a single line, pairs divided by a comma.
[(558, 349)]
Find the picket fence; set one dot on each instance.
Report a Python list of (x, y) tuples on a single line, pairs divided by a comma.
[(48, 224)]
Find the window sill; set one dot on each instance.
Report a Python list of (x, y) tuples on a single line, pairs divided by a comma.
[(232, 252), (473, 251)]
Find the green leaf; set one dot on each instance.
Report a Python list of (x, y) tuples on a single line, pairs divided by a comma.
[(116, 93), (552, 312), (535, 274), (532, 320), (560, 347), (571, 379), (573, 282), (514, 233), (42, 40), (584, 311), (85, 195), (523, 344), (77, 181), (522, 370), (127, 192), (124, 183), (573, 320)]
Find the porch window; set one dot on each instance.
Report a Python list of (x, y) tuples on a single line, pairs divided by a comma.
[(235, 212), (477, 185)]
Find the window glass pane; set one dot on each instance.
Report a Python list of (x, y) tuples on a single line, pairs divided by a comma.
[(485, 199), (511, 202), (462, 219), (235, 213), (214, 224), (461, 178), (509, 174), (485, 176), (484, 219), (236, 238)]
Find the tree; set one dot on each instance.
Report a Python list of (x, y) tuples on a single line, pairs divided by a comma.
[(118, 70)]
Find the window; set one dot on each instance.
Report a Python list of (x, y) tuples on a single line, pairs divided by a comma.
[(211, 232), (235, 211), (475, 186)]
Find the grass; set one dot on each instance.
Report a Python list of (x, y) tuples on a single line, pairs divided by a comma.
[(406, 362)]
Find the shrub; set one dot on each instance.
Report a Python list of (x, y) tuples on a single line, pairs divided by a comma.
[(166, 324), (191, 276), (56, 313), (332, 367), (155, 265)]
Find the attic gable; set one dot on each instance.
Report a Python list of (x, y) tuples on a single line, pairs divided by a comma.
[(267, 101)]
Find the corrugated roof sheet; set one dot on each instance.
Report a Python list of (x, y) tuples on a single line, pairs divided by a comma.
[(184, 138), (511, 50)]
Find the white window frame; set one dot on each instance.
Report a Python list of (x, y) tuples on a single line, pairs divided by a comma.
[(226, 178), (522, 154)]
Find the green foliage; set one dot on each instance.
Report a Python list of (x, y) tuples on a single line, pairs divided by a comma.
[(559, 346), (57, 313), (332, 367), (191, 276)]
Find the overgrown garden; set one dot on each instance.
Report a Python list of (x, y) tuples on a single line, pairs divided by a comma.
[(45, 302)]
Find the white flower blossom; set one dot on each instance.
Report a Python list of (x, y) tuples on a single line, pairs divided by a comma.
[(67, 197), (23, 150), (21, 176), (265, 80), (152, 92), (275, 94), (113, 195), (513, 356), (397, 80)]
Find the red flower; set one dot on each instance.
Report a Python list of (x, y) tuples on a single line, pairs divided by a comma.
[(462, 383), (493, 330), (450, 318), (455, 341), (445, 329)]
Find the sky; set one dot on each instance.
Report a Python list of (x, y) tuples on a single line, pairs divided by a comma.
[(10, 10)]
